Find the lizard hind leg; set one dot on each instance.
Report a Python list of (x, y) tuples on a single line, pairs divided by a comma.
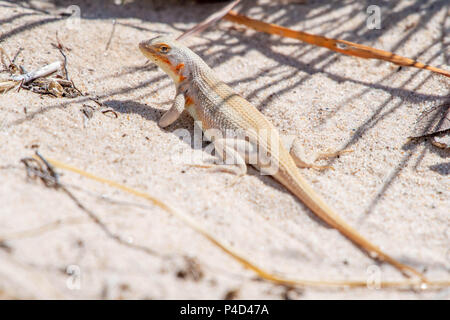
[(230, 153), (329, 154), (298, 154), (230, 156)]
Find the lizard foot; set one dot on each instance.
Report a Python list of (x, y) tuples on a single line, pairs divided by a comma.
[(328, 155), (233, 169), (298, 155)]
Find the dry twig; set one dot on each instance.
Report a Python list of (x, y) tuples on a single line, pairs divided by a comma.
[(341, 46), (267, 275)]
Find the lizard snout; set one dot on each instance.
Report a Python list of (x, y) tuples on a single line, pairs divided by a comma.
[(143, 45), (147, 50)]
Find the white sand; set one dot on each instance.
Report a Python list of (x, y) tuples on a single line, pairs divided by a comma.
[(395, 194)]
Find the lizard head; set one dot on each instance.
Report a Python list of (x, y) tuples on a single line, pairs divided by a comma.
[(168, 54)]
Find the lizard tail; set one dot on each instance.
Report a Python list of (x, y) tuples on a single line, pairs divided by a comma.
[(311, 199)]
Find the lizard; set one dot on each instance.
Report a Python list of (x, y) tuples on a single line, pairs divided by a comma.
[(218, 109)]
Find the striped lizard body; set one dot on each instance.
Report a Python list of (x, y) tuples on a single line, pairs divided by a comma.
[(220, 110)]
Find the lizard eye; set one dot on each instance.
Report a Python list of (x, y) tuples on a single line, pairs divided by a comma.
[(164, 49)]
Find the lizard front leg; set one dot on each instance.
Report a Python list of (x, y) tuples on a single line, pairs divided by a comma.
[(175, 111)]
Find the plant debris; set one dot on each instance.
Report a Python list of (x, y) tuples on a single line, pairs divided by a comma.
[(191, 270), (38, 81), (434, 124), (231, 294), (338, 45)]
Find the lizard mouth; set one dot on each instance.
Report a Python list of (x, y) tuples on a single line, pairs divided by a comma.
[(163, 62), (147, 50), (152, 54)]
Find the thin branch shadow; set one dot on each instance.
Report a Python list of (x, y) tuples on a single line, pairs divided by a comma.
[(152, 114), (303, 71), (441, 168)]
